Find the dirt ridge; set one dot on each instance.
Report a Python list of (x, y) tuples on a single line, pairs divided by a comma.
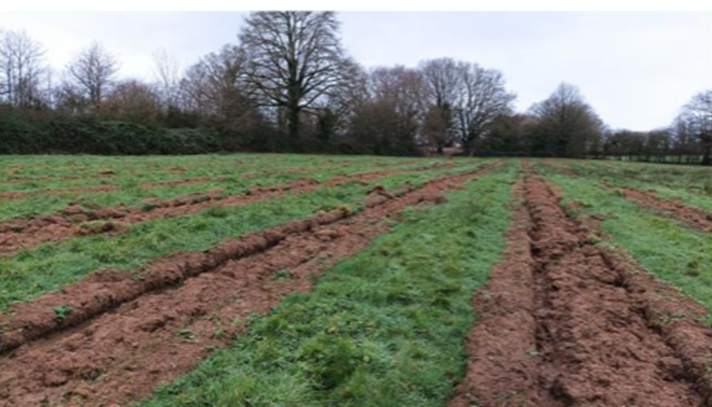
[(75, 221), (121, 356), (582, 327), (105, 290)]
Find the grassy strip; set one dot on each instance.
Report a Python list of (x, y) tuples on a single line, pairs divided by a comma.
[(30, 273), (42, 170), (676, 254), (131, 193), (384, 328), (692, 185)]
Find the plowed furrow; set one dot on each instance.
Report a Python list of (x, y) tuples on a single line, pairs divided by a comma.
[(564, 324), (695, 218), (75, 221), (123, 355)]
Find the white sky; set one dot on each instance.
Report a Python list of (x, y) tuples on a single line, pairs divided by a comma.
[(636, 69)]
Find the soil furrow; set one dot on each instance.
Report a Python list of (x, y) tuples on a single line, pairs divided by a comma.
[(123, 355), (564, 324), (105, 290), (76, 221), (695, 218)]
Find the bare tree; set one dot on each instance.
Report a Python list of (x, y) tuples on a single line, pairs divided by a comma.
[(482, 99), (167, 75), (93, 70), (566, 124), (696, 118), (294, 58), (390, 122), (444, 79), (134, 101), (22, 69)]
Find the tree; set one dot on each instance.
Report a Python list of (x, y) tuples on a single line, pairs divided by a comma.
[(444, 78), (167, 76), (134, 101), (566, 124), (696, 118), (22, 69), (482, 98), (294, 58), (93, 71), (390, 121)]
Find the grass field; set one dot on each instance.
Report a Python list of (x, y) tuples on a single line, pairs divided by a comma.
[(295, 280)]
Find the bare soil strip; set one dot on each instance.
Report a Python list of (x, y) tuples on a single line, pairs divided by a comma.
[(697, 219), (123, 355), (566, 323), (75, 221)]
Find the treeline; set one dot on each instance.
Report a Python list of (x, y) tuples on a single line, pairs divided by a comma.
[(287, 85)]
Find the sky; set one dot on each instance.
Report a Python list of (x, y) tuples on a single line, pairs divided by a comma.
[(636, 69)]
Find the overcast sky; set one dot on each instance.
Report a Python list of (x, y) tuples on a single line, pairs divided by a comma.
[(635, 69)]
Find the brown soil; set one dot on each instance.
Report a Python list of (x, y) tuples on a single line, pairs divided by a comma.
[(188, 305), (695, 218), (75, 221), (11, 195), (565, 323)]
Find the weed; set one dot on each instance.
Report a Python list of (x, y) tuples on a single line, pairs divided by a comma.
[(61, 312)]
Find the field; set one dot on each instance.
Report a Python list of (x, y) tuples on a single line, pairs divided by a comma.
[(297, 280)]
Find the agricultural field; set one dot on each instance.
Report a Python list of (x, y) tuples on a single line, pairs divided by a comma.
[(298, 280)]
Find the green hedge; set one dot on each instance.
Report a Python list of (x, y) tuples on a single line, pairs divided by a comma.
[(92, 136)]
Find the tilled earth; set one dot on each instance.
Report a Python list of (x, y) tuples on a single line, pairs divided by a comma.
[(564, 322), (118, 351)]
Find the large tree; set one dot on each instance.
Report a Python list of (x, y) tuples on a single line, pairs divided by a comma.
[(93, 72), (294, 59), (566, 125), (22, 68), (444, 78), (481, 100), (696, 118)]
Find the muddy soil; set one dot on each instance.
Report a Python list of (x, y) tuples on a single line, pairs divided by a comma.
[(566, 323), (76, 221), (695, 218), (122, 355)]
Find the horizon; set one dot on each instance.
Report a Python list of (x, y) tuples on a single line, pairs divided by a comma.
[(636, 69)]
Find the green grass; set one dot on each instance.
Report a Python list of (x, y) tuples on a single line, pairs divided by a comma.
[(384, 328), (30, 273), (690, 184), (665, 247), (132, 172)]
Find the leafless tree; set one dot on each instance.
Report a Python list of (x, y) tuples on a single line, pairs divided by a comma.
[(482, 98), (696, 118), (566, 124), (167, 75), (22, 69), (444, 77), (93, 71), (294, 58), (133, 100)]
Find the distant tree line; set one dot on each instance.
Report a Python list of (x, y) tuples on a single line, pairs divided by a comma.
[(286, 84)]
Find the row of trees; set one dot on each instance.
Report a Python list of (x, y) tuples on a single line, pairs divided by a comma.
[(287, 84)]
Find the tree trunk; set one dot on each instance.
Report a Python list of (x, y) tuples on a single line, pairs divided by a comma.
[(707, 157), (293, 122)]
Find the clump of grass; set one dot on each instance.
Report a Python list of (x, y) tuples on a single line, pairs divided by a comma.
[(61, 312)]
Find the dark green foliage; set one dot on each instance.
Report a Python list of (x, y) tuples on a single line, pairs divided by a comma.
[(19, 135)]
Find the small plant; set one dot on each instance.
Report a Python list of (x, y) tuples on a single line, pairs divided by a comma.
[(62, 312), (187, 335), (283, 274), (149, 207)]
